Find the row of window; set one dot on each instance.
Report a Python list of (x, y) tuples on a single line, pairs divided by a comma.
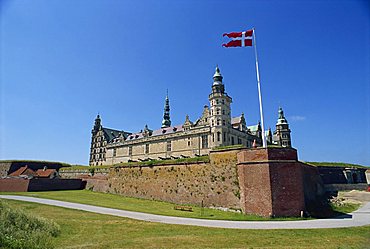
[(218, 101), (232, 138), (97, 157), (218, 122), (204, 145), (98, 144), (99, 150), (218, 112)]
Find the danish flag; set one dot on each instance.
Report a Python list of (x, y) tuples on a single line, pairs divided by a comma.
[(239, 39)]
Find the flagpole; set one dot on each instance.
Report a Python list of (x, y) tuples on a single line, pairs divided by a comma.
[(259, 90)]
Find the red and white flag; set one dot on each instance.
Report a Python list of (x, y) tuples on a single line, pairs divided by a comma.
[(239, 39)]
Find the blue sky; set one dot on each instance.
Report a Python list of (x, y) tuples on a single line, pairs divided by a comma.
[(62, 62)]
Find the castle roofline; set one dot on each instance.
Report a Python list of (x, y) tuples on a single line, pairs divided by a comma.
[(158, 132)]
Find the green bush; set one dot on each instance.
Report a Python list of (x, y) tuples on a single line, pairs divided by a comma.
[(22, 230)]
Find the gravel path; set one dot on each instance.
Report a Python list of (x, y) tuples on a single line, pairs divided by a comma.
[(359, 218)]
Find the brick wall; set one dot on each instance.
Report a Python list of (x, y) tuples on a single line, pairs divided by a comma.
[(14, 185), (39, 184), (254, 180), (215, 183), (271, 182)]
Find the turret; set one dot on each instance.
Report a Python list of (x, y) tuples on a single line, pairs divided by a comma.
[(282, 133), (166, 122), (97, 124)]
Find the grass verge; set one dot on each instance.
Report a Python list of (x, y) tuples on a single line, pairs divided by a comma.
[(141, 205), (19, 229), (87, 230)]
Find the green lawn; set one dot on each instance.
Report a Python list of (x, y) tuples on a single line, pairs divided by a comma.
[(88, 230), (140, 205)]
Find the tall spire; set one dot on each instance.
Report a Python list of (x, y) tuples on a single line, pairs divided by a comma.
[(166, 122)]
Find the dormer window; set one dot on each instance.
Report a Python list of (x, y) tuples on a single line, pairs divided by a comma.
[(163, 131), (174, 129)]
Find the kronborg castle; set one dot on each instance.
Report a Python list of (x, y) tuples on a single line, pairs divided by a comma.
[(216, 127)]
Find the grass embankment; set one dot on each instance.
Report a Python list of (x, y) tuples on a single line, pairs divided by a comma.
[(88, 230), (23, 230), (141, 205), (199, 159), (40, 162), (337, 164)]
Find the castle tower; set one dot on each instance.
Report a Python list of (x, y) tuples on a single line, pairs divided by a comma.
[(166, 122), (96, 146), (220, 118), (282, 132)]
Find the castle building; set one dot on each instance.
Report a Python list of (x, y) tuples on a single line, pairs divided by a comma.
[(215, 128)]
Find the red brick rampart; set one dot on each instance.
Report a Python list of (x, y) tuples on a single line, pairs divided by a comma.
[(271, 182)]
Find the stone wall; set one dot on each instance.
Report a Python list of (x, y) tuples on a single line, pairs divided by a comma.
[(4, 168), (215, 183), (96, 180)]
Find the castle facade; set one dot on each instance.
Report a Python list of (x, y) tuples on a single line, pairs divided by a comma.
[(215, 128)]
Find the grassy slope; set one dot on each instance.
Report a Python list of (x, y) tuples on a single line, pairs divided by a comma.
[(337, 164), (87, 230), (139, 205)]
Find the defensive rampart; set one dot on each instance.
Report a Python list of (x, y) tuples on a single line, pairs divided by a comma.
[(267, 182)]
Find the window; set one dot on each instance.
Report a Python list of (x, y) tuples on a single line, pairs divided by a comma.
[(213, 123), (169, 146), (188, 141), (218, 111), (114, 152), (146, 148), (232, 140), (218, 136), (130, 151), (204, 141), (213, 137), (217, 101), (223, 102), (218, 122), (223, 122), (239, 141), (223, 112)]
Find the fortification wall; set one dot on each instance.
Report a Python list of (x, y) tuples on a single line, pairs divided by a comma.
[(39, 184), (215, 183)]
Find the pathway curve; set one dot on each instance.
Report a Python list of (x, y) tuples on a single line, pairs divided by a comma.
[(359, 218)]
